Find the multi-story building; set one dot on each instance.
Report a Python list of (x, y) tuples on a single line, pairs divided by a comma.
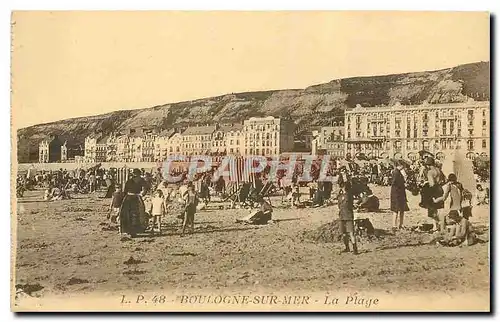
[(90, 154), (403, 131), (135, 145), (235, 139), (174, 144), (111, 147), (71, 149), (148, 145), (268, 136), (23, 149), (162, 145), (331, 140), (49, 149), (197, 140), (227, 139), (97, 148), (122, 148)]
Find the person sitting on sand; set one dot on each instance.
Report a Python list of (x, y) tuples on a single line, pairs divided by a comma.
[(368, 201), (481, 197), (262, 216), (459, 231), (266, 209)]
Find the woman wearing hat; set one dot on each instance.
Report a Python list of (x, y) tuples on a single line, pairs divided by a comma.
[(399, 202), (132, 212)]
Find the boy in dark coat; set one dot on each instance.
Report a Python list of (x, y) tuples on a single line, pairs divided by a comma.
[(346, 216)]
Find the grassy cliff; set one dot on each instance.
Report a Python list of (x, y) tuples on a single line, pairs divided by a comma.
[(315, 105)]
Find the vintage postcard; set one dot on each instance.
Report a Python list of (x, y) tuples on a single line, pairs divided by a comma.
[(250, 161)]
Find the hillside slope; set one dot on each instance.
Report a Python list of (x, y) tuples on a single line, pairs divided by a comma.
[(315, 105)]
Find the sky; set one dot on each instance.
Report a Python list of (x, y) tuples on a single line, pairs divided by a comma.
[(70, 64)]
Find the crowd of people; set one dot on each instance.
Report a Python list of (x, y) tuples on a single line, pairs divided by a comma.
[(139, 204)]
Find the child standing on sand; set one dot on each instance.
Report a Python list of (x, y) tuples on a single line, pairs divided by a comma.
[(116, 203), (157, 210), (346, 214)]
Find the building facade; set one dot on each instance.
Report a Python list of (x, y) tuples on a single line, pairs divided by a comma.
[(23, 150), (49, 149), (268, 136), (148, 146), (331, 140), (197, 140), (228, 140), (70, 150), (403, 131), (262, 136)]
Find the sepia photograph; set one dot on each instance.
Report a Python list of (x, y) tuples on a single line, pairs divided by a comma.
[(250, 161)]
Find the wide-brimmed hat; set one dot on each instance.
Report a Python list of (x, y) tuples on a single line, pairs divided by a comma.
[(136, 172)]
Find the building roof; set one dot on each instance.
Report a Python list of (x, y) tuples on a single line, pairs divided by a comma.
[(103, 139), (199, 130), (70, 142), (167, 133), (231, 127)]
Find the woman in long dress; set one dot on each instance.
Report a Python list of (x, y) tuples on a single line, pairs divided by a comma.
[(399, 202), (133, 218)]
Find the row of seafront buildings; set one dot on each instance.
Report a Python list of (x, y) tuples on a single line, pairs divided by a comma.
[(382, 131), (256, 136)]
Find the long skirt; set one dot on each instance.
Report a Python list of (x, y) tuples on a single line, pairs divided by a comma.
[(133, 217)]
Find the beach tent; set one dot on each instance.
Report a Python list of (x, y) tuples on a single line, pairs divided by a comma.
[(456, 162)]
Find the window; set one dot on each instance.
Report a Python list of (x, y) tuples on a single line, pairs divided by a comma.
[(484, 144), (470, 144)]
